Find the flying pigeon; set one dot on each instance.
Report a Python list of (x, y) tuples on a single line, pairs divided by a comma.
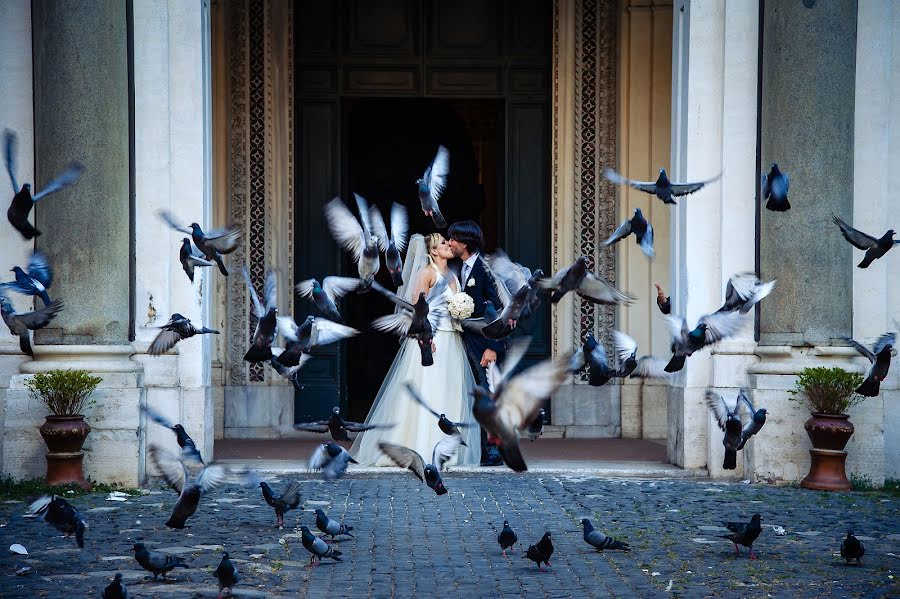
[(418, 320), (590, 287), (757, 418), (730, 422), (212, 244), (177, 329), (874, 248), (743, 291), (23, 201), (395, 243), (599, 372), (314, 332), (744, 533), (516, 400), (643, 232), (317, 547), (852, 549), (774, 187), (645, 367), (535, 428), (517, 284), (326, 294), (156, 562), (227, 574), (541, 551), (507, 538), (432, 185), (20, 323), (175, 473), (880, 356), (337, 426), (331, 527), (355, 237), (447, 426), (662, 187), (261, 345), (189, 451), (331, 460), (59, 514), (285, 502), (710, 329), (116, 589), (189, 259), (34, 282), (597, 539), (430, 474), (291, 373)]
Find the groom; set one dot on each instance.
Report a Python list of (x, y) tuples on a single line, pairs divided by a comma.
[(466, 241)]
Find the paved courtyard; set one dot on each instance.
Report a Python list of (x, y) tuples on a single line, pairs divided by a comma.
[(411, 543)]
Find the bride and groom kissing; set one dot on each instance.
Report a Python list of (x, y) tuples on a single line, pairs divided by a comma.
[(439, 267)]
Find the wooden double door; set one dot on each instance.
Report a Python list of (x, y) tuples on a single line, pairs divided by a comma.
[(379, 85)]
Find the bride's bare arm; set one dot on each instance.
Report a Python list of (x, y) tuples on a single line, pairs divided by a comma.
[(424, 283)]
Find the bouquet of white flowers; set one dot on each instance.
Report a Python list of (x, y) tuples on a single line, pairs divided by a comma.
[(461, 305)]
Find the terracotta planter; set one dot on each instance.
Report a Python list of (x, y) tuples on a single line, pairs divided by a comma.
[(829, 434), (64, 436)]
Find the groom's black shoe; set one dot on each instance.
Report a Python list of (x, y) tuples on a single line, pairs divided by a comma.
[(490, 456)]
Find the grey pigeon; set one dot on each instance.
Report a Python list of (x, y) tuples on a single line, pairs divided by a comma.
[(447, 426), (395, 243), (326, 294), (175, 473), (226, 573), (285, 502), (599, 372), (314, 332), (880, 356), (743, 291), (116, 589), (541, 551), (852, 549), (432, 184), (597, 539), (517, 286), (337, 426), (355, 237), (330, 527), (507, 538), (291, 373), (662, 188), (730, 422), (189, 451), (645, 367), (710, 329), (22, 201), (20, 323), (756, 421), (260, 349), (331, 460), (640, 227), (590, 287), (774, 188), (744, 533), (34, 282), (156, 562), (317, 547), (874, 248), (430, 474), (189, 259), (177, 329), (418, 321), (535, 428), (59, 514), (212, 244)]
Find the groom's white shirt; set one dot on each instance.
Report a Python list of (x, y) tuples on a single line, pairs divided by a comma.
[(467, 267)]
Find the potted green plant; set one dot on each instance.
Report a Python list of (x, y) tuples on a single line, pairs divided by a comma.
[(829, 393), (65, 394)]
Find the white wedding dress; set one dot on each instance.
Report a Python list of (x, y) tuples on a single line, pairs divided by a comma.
[(446, 386)]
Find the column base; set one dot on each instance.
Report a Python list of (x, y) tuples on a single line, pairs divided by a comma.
[(827, 471), (66, 468)]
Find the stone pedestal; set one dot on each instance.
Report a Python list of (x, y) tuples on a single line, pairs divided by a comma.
[(827, 471)]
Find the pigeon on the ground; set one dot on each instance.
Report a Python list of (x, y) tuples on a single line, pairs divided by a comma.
[(34, 282), (541, 551), (156, 562), (597, 539), (175, 473), (59, 514), (535, 428), (662, 188), (317, 547), (355, 237), (774, 187), (22, 201), (394, 243), (418, 320), (331, 527), (337, 426), (266, 325), (852, 549), (177, 329), (227, 574), (507, 538), (516, 400), (710, 329), (212, 244), (730, 422), (640, 226), (116, 589), (331, 460), (743, 291), (645, 367), (744, 533), (447, 426), (285, 502), (430, 474), (189, 451), (880, 357), (874, 248), (590, 287), (432, 185), (20, 323), (326, 294), (190, 259)]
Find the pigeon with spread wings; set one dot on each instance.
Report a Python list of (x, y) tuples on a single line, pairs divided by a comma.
[(874, 248), (710, 329), (189, 451), (175, 473), (430, 474), (34, 282), (447, 426), (337, 426), (177, 329), (266, 326), (640, 227), (326, 295), (355, 237), (432, 184), (586, 284), (331, 460), (395, 243), (419, 320), (880, 356), (213, 244), (662, 188), (190, 259), (645, 367), (743, 291), (20, 323)]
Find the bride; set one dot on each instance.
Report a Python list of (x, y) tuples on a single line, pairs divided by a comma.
[(446, 385)]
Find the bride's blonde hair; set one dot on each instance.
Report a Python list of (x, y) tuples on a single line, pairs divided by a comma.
[(431, 241)]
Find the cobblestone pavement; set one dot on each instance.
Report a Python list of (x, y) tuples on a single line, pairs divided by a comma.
[(411, 543)]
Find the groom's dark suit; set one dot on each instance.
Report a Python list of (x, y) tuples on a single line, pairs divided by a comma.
[(483, 289)]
